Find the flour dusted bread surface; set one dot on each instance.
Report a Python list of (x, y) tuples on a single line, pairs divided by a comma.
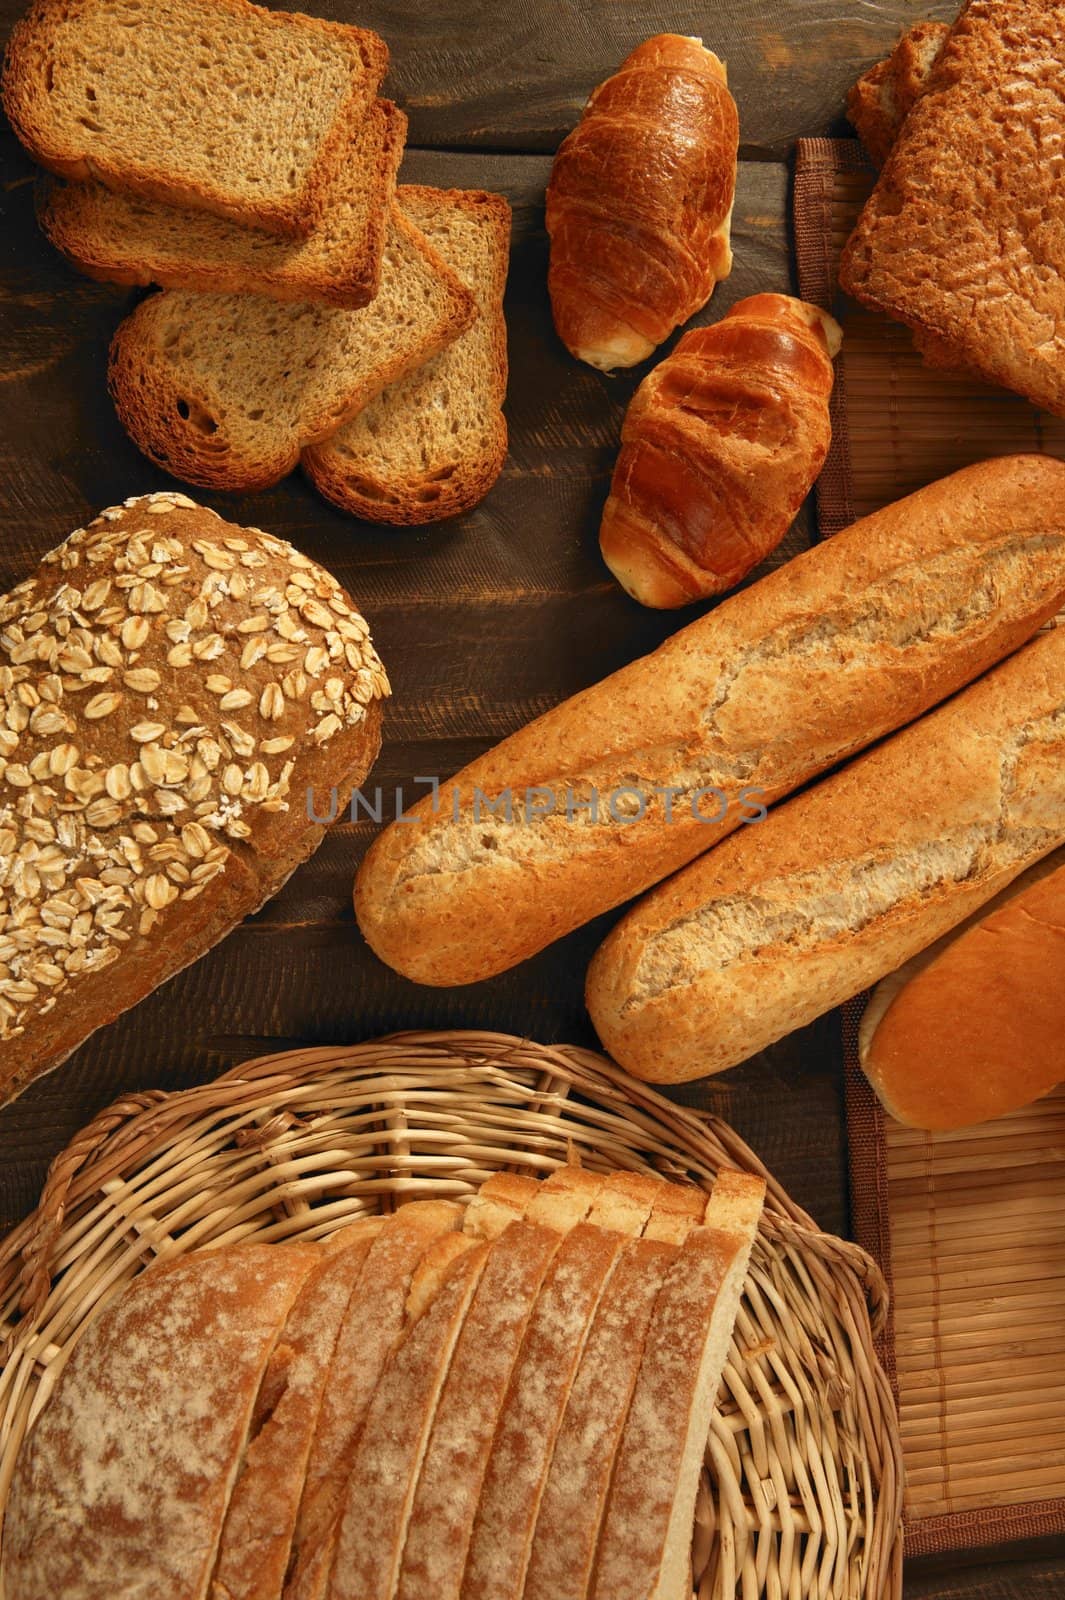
[(432, 445), (644, 1549), (372, 1328), (844, 883), (963, 238), (215, 104), (821, 657), (514, 1482), (170, 685), (122, 1486), (123, 238), (225, 390), (256, 1537)]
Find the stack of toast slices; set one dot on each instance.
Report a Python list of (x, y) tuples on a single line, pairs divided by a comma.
[(511, 1400), (309, 309)]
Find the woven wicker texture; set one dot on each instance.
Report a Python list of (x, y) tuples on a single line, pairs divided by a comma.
[(801, 1495)]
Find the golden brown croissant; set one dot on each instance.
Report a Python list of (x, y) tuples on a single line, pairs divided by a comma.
[(639, 203), (720, 447)]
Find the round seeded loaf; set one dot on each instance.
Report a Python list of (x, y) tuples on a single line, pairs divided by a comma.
[(171, 688)]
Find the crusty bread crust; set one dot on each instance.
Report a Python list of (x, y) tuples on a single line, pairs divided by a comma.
[(961, 238), (972, 1028), (452, 482), (183, 707), (116, 238), (820, 658), (882, 98), (184, 414), (842, 884), (25, 90)]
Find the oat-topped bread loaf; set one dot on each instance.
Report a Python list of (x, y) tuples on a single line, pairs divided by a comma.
[(963, 238), (432, 445), (171, 686), (215, 104), (123, 238), (224, 390)]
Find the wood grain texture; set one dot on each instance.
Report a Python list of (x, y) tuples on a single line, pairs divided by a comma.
[(483, 623)]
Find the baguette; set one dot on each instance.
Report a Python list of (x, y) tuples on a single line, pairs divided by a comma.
[(974, 1027), (844, 883), (171, 688), (822, 657), (122, 1486), (156, 102), (120, 238)]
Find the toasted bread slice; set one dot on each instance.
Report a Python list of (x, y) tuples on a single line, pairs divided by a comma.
[(532, 1412), (644, 1548), (961, 238), (432, 445), (224, 390), (214, 104), (373, 1326), (260, 1520), (373, 1524), (883, 97), (121, 238)]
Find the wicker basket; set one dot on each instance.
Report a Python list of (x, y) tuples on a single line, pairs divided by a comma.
[(801, 1494)]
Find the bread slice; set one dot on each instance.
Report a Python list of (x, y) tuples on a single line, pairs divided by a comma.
[(644, 1550), (225, 390), (675, 1213), (122, 1486), (260, 1521), (214, 104), (432, 445), (393, 1442), (449, 1487), (883, 97), (518, 1465), (502, 1199), (122, 238), (962, 237), (626, 1202), (373, 1326), (567, 1527)]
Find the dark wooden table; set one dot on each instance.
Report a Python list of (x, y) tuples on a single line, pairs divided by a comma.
[(483, 623)]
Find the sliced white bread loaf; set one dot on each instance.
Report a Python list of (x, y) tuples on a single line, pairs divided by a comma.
[(445, 1501), (384, 1472), (123, 1483), (256, 1540), (225, 390), (373, 1326), (431, 445), (502, 1199), (567, 1526), (644, 1548), (532, 1412), (123, 238), (214, 104)]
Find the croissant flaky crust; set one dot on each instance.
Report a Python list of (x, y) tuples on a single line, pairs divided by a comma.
[(640, 201), (720, 446)]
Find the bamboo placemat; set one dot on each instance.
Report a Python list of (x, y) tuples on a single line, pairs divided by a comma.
[(969, 1227)]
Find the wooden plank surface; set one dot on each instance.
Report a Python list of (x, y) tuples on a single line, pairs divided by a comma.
[(482, 623)]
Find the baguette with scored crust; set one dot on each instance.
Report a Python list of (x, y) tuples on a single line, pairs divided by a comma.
[(843, 884), (614, 790)]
